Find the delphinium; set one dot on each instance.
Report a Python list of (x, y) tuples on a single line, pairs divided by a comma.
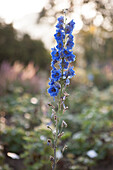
[(61, 73)]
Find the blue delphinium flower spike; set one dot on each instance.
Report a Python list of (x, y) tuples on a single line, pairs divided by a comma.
[(62, 56), (61, 73)]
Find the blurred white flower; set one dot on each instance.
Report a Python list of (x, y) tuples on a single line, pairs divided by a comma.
[(34, 100), (13, 155), (43, 138), (92, 153), (59, 154)]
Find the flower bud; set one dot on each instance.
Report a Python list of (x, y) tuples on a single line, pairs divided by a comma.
[(49, 127), (64, 98), (52, 115), (65, 109), (54, 132), (60, 134), (48, 141), (64, 105), (51, 158), (66, 94), (53, 111), (64, 124), (49, 104), (55, 117), (65, 147)]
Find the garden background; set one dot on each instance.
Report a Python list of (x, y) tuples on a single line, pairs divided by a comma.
[(26, 38)]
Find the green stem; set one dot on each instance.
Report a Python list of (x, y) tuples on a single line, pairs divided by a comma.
[(55, 139)]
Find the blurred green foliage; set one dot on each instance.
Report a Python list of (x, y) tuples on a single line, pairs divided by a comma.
[(92, 123), (23, 49), (96, 46), (36, 151), (89, 122)]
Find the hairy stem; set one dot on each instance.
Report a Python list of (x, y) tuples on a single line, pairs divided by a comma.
[(55, 145)]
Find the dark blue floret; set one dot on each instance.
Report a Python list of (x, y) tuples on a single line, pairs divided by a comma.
[(53, 62), (55, 54), (58, 85), (66, 52), (62, 54), (64, 64), (51, 82), (71, 24), (60, 26), (69, 27), (70, 57), (55, 74), (59, 36), (53, 90), (61, 19), (59, 45), (69, 44), (70, 37), (69, 73)]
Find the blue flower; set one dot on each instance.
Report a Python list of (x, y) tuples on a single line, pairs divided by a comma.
[(69, 73), (67, 82), (90, 77), (64, 64), (55, 54), (59, 36), (61, 19), (58, 85), (66, 52), (60, 45), (70, 37), (60, 24), (53, 63), (69, 44), (53, 90), (70, 57), (71, 24), (69, 27), (55, 74), (62, 53), (51, 82)]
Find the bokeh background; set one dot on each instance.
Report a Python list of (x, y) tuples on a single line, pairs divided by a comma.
[(26, 38)]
